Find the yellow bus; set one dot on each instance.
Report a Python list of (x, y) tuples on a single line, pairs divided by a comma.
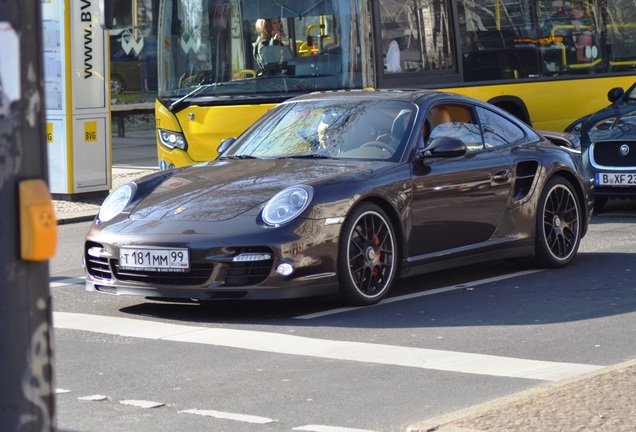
[(547, 62)]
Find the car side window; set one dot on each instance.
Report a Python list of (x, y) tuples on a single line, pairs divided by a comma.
[(454, 122), (498, 130)]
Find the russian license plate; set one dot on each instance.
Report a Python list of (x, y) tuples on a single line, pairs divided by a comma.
[(168, 260), (615, 179)]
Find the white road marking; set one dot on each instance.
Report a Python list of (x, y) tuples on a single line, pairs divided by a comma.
[(421, 294), (451, 361), (229, 416), (142, 403), (93, 398), (323, 428), (68, 281)]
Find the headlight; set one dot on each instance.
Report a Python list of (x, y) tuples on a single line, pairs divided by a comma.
[(287, 204), (172, 139), (115, 203)]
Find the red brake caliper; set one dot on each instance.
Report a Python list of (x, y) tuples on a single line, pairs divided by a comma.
[(376, 241)]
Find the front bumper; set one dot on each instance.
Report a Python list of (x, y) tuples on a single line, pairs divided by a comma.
[(214, 271)]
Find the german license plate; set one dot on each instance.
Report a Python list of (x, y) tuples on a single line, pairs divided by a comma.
[(615, 179), (167, 260)]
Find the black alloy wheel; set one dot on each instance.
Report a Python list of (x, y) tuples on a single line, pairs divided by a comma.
[(367, 258), (558, 233)]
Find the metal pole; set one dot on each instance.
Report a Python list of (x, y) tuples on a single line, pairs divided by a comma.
[(27, 399)]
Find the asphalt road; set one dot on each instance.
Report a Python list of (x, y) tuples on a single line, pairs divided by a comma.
[(443, 342)]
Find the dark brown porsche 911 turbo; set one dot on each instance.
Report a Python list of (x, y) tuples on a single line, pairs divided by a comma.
[(343, 193)]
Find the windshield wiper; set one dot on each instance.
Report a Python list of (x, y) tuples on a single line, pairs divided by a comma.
[(177, 105), (238, 156), (306, 156)]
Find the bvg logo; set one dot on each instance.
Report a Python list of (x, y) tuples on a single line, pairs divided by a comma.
[(90, 131)]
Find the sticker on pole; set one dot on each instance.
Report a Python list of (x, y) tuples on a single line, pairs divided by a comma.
[(9, 69)]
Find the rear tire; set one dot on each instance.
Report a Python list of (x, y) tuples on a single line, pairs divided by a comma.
[(558, 226), (367, 256)]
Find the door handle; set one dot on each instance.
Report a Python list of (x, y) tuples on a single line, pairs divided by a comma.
[(501, 176)]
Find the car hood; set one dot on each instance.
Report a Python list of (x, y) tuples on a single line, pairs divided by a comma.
[(619, 126), (221, 190), (609, 112)]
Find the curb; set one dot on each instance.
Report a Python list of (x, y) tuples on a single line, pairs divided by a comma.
[(74, 217), (446, 422)]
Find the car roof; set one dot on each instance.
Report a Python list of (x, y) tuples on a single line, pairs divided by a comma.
[(418, 96)]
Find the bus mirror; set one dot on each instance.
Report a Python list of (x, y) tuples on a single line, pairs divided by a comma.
[(615, 94), (106, 13), (123, 18)]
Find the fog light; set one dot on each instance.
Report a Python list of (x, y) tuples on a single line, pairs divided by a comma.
[(284, 269)]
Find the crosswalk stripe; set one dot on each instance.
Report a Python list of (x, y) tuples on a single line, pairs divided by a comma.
[(423, 358), (229, 416)]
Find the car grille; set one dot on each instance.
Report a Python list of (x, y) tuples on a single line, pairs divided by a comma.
[(242, 274), (229, 273), (608, 154), (198, 275), (98, 267)]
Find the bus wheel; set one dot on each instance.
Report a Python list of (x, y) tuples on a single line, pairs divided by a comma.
[(116, 85)]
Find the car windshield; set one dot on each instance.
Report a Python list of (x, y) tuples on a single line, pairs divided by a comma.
[(371, 129)]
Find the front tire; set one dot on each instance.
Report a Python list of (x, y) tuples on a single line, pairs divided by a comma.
[(558, 230), (367, 256)]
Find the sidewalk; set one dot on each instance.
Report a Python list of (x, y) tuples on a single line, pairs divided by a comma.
[(604, 400), (134, 156)]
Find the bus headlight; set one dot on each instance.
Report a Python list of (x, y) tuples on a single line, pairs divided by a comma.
[(172, 139)]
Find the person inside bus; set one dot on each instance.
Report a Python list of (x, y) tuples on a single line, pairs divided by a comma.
[(582, 33), (270, 33), (392, 64)]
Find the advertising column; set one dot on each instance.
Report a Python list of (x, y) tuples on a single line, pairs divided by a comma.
[(77, 85)]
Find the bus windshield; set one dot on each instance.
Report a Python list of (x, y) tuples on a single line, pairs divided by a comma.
[(265, 48)]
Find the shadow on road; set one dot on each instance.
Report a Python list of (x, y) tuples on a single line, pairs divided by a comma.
[(577, 292)]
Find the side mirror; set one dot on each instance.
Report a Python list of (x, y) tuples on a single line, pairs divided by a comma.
[(443, 147), (615, 94), (106, 13), (225, 144), (124, 14)]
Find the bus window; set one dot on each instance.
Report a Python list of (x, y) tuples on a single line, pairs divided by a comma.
[(416, 36), (619, 18), (217, 48)]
